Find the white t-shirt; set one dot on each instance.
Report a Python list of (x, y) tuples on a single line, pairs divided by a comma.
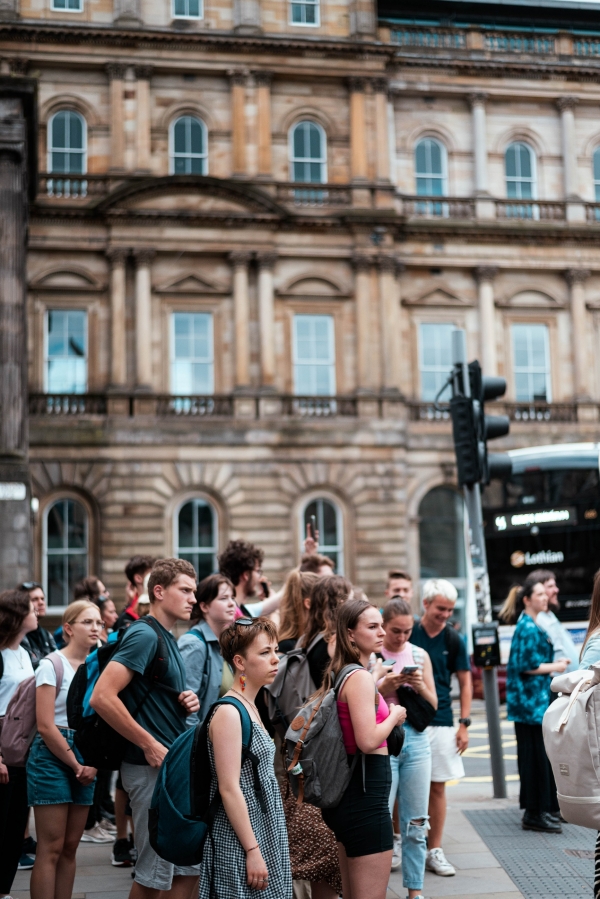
[(17, 667), (45, 674)]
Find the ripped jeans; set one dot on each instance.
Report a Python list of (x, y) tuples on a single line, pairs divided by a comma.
[(411, 775)]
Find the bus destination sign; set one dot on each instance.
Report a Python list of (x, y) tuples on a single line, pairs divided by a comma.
[(511, 521)]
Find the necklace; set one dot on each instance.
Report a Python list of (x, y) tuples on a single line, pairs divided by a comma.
[(250, 703), (18, 655)]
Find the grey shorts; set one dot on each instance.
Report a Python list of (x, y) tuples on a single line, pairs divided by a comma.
[(150, 870)]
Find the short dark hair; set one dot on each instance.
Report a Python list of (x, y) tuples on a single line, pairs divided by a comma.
[(397, 574), (237, 558), (138, 565), (206, 591), (314, 561), (166, 571), (541, 575), (87, 588), (237, 638), (15, 606)]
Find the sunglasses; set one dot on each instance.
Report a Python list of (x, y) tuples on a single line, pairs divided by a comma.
[(29, 585), (246, 622)]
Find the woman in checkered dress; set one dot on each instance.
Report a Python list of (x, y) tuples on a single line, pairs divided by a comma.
[(247, 853)]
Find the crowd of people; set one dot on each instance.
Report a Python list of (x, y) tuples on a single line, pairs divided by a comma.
[(234, 633)]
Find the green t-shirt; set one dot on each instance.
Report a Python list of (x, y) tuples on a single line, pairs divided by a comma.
[(161, 714)]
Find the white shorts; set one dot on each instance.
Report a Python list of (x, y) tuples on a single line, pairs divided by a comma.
[(446, 763)]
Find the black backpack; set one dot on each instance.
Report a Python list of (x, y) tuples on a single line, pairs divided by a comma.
[(99, 744)]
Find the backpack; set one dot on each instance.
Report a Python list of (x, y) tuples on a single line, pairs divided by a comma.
[(99, 744), (317, 762), (19, 727), (181, 812), (572, 740), (291, 688)]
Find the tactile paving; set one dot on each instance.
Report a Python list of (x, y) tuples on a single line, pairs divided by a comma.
[(540, 865)]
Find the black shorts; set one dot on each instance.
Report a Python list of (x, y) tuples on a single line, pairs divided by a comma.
[(362, 821)]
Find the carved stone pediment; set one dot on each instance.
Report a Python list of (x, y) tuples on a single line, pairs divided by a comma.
[(437, 297), (191, 283), (527, 299), (66, 280), (313, 286)]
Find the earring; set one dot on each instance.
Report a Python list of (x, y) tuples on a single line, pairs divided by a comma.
[(243, 681)]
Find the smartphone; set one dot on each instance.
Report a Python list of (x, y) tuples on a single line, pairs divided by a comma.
[(387, 663), (409, 669), (265, 588), (312, 526)]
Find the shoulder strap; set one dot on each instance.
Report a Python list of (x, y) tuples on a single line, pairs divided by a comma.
[(59, 668), (452, 643), (207, 660), (246, 743), (157, 668), (344, 674), (313, 643), (1, 664)]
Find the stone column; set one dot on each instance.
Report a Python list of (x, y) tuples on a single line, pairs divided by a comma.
[(143, 319), (362, 292), (17, 130), (389, 319), (263, 103), (477, 103), (116, 75), (238, 123), (576, 279), (118, 359), (566, 105), (143, 75), (358, 142), (485, 275), (266, 316), (241, 311), (380, 87)]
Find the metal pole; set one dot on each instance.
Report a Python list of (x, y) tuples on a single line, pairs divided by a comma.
[(482, 581)]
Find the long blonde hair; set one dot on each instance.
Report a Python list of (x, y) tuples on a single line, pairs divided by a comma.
[(594, 623), (299, 586)]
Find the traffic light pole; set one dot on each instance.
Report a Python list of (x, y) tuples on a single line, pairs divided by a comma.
[(472, 494)]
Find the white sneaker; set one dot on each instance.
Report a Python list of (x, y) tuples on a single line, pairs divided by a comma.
[(97, 835), (107, 826), (397, 853), (439, 864)]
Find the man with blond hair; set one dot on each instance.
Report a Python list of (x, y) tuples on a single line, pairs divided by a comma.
[(448, 654)]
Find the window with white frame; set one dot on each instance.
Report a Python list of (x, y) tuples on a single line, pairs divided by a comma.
[(435, 359), (430, 168), (314, 355), (189, 147), (520, 172), (65, 549), (329, 523), (192, 354), (304, 12), (308, 153), (66, 351), (196, 536), (68, 5), (531, 360), (188, 9), (597, 174), (67, 143)]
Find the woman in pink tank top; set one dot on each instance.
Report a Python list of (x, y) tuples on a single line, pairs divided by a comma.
[(361, 822)]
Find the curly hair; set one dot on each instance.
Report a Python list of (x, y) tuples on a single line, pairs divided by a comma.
[(237, 558), (327, 596)]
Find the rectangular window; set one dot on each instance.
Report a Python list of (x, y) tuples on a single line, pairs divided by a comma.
[(305, 12), (435, 359), (188, 9), (314, 355), (531, 363), (68, 5), (66, 351), (192, 354)]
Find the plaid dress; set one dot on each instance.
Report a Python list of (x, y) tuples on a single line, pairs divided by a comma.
[(223, 873)]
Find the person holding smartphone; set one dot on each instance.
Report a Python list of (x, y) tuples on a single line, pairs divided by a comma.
[(406, 665)]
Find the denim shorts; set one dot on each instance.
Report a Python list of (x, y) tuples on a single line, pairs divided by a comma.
[(50, 781)]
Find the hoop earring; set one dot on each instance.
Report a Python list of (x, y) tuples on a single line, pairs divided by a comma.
[(243, 681)]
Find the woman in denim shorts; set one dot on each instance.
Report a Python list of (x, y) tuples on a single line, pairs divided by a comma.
[(59, 787)]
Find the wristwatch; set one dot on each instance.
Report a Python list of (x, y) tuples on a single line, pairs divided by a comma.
[(465, 721)]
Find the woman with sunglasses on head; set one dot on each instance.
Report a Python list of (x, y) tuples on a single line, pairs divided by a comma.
[(248, 849), (59, 786), (411, 770)]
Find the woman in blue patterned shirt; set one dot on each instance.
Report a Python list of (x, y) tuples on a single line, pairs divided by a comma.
[(527, 697)]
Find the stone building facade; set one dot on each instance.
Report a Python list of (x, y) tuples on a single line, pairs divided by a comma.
[(257, 223)]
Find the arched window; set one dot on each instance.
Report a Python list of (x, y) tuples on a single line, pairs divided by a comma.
[(328, 521), (597, 174), (442, 541), (67, 143), (196, 536), (189, 146), (308, 153), (430, 168), (65, 547), (520, 172)]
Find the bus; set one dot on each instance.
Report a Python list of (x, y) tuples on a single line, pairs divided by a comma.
[(547, 515)]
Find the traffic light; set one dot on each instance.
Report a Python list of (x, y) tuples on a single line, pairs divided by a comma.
[(472, 428)]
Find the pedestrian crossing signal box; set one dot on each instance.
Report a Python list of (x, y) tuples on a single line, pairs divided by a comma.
[(486, 645)]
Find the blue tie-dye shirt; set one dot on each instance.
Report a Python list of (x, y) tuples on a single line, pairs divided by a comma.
[(528, 695)]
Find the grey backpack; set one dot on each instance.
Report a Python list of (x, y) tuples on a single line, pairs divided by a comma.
[(19, 727), (317, 762), (291, 688)]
